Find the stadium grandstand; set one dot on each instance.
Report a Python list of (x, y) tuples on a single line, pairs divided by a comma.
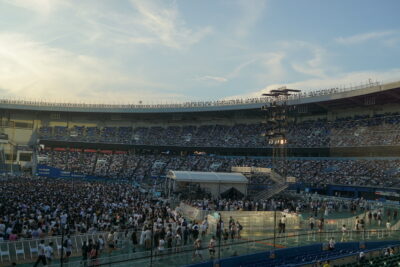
[(92, 182)]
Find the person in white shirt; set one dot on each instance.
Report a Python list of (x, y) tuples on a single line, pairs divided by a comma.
[(344, 233), (211, 247), (283, 223), (331, 244), (49, 252), (110, 241), (68, 247), (311, 222), (161, 246), (361, 257), (41, 254), (178, 241), (388, 227)]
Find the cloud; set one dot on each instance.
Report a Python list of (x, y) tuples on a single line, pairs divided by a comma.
[(42, 7), (229, 76), (313, 61), (163, 25), (392, 42), (149, 22), (34, 70), (340, 80), (213, 78), (272, 65), (251, 13), (291, 60), (360, 38)]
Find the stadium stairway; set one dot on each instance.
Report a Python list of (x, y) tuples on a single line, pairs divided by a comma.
[(270, 192), (280, 186)]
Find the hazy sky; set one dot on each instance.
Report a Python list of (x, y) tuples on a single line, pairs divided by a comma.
[(118, 51)]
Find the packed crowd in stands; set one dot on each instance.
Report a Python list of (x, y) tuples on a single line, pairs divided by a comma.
[(378, 130), (373, 172)]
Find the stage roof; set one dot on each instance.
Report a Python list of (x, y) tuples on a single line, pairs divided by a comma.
[(208, 177)]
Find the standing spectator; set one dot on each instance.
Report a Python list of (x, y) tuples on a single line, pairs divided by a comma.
[(68, 247), (344, 233), (134, 241), (161, 247), (85, 252), (111, 242), (197, 249), (101, 243), (94, 253), (185, 235), (239, 229), (41, 254), (204, 227), (379, 219), (388, 227), (283, 222), (226, 236), (49, 253), (178, 242), (331, 244), (233, 231), (311, 221), (211, 247), (369, 217)]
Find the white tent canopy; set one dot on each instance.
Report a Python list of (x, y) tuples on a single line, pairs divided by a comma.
[(208, 177), (213, 182)]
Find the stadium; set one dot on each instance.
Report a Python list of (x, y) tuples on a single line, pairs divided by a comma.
[(206, 178), (212, 133)]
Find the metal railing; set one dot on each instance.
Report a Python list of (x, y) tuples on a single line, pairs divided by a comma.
[(184, 255), (27, 249), (309, 94)]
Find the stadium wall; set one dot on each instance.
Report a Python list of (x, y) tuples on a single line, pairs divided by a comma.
[(51, 172)]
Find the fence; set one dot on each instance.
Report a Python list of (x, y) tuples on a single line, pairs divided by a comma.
[(193, 213), (185, 255), (27, 250)]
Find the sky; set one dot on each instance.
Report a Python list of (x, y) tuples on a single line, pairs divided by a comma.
[(127, 51)]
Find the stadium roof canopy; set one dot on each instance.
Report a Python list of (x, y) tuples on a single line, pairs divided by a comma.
[(362, 95), (208, 177)]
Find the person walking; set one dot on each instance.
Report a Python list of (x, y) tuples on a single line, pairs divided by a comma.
[(49, 252), (41, 254), (197, 250)]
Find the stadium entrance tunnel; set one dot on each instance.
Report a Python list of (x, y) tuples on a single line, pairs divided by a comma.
[(232, 193)]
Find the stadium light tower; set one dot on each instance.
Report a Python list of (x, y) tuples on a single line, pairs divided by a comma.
[(277, 112)]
